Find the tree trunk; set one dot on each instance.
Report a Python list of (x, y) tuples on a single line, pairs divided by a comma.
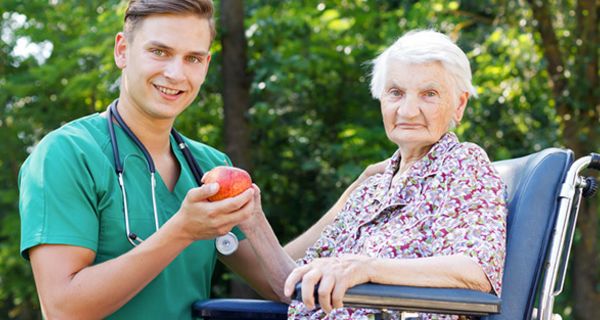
[(554, 57), (236, 83), (236, 101), (578, 109), (585, 263)]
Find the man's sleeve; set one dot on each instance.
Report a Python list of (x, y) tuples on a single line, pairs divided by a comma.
[(57, 197)]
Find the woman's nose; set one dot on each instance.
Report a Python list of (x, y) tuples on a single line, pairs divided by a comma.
[(408, 107)]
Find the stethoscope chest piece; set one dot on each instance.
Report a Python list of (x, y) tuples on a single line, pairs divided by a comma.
[(227, 244)]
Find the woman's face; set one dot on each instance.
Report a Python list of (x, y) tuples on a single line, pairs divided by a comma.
[(418, 103)]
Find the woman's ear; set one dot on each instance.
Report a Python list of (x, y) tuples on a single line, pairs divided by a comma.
[(463, 98), (120, 51)]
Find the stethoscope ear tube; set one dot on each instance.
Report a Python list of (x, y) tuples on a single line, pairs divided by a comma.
[(113, 139), (113, 112), (196, 171)]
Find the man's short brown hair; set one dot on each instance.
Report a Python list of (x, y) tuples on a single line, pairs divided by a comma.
[(137, 10)]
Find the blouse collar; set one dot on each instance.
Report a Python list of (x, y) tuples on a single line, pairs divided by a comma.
[(428, 165)]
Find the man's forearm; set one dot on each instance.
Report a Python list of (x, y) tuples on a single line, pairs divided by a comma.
[(274, 261), (96, 291)]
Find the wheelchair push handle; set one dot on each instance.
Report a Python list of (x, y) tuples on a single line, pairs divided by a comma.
[(590, 185), (595, 161)]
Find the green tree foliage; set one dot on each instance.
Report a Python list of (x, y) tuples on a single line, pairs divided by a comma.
[(313, 123)]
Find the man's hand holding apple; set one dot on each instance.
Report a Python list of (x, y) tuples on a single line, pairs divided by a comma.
[(222, 202), (233, 181)]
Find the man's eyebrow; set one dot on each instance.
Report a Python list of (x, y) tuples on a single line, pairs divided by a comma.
[(163, 46), (159, 45), (199, 53)]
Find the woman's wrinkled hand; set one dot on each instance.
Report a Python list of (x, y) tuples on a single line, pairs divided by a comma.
[(334, 276)]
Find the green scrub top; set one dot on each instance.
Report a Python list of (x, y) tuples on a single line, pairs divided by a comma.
[(69, 194)]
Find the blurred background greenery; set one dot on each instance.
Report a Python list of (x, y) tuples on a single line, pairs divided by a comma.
[(305, 125)]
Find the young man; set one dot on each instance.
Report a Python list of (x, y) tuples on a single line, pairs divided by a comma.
[(146, 250)]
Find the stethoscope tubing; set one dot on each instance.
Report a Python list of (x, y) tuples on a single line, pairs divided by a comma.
[(113, 113), (226, 244), (196, 171)]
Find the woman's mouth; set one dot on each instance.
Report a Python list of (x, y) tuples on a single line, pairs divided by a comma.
[(408, 125)]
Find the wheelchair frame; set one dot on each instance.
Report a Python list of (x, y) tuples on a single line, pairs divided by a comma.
[(573, 189)]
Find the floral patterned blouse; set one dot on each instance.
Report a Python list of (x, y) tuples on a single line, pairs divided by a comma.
[(450, 202)]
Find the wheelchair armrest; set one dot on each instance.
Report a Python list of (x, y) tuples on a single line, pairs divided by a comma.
[(419, 299), (375, 296), (247, 309)]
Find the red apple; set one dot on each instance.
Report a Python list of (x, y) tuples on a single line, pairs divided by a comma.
[(232, 181)]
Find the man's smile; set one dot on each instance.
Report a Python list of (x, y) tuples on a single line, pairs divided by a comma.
[(167, 91)]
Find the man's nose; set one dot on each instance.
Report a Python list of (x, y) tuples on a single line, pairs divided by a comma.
[(175, 70)]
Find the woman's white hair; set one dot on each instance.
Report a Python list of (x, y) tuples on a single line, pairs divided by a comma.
[(423, 46)]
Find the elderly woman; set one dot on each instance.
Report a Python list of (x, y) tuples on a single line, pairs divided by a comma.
[(434, 217)]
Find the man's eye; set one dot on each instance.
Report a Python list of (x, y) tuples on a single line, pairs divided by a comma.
[(158, 52), (193, 59), (430, 94)]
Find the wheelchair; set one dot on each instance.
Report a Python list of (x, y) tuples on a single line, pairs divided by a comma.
[(544, 193)]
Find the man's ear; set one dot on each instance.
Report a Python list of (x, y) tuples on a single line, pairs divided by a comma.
[(463, 98), (120, 51), (207, 62), (205, 67)]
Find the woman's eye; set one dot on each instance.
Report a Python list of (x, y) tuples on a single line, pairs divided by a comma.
[(395, 93)]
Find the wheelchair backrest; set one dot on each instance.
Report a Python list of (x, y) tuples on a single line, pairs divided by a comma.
[(533, 183)]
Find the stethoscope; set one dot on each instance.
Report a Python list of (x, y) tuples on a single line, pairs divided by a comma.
[(226, 244)]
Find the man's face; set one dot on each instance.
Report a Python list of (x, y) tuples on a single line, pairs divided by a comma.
[(164, 65), (418, 102)]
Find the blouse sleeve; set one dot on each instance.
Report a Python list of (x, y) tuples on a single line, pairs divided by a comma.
[(472, 219), (341, 230)]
